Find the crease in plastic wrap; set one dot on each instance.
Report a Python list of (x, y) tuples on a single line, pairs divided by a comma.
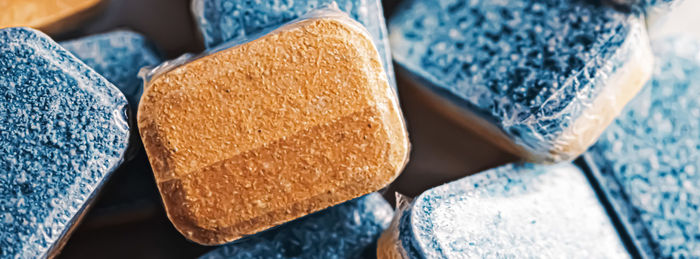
[(221, 21), (118, 56), (354, 129), (64, 131), (539, 78), (511, 211), (648, 159), (347, 230), (49, 16)]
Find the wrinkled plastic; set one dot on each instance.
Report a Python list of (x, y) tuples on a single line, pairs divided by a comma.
[(511, 211), (117, 56), (368, 95), (648, 159), (547, 76), (347, 230), (221, 21), (331, 11), (64, 130)]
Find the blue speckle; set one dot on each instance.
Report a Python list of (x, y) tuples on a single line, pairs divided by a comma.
[(650, 156), (222, 21), (531, 68), (347, 230), (457, 220), (63, 130), (118, 56)]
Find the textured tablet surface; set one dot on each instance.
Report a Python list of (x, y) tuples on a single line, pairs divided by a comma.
[(510, 211), (63, 130), (233, 20), (50, 16), (347, 230), (547, 75), (118, 56), (271, 130), (650, 156)]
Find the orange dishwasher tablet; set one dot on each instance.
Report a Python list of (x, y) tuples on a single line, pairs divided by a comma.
[(50, 16), (272, 129)]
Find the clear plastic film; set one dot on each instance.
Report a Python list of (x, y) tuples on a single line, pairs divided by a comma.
[(346, 230), (287, 92), (647, 159), (510, 211), (221, 21), (67, 131), (541, 79), (654, 10), (389, 245)]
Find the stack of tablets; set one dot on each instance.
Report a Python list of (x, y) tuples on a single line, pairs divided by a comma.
[(290, 122)]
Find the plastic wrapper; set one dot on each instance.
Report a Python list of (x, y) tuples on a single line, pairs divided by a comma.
[(50, 16), (221, 21), (63, 131), (118, 56), (348, 230), (649, 7), (647, 160), (541, 79), (507, 212), (265, 130)]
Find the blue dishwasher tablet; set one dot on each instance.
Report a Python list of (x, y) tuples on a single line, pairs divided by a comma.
[(348, 230), (514, 211), (63, 131), (539, 78), (649, 158), (222, 21), (118, 56)]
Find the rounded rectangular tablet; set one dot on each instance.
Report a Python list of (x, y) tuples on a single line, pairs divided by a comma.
[(542, 79), (221, 21), (264, 132), (347, 230), (49, 16), (648, 159), (118, 56), (63, 130), (514, 211)]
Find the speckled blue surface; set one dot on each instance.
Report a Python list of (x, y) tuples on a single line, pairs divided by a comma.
[(221, 21), (348, 230), (529, 67), (649, 158), (118, 56), (514, 211), (63, 130)]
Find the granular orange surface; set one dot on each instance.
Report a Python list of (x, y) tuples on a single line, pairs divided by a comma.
[(50, 16), (265, 132)]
